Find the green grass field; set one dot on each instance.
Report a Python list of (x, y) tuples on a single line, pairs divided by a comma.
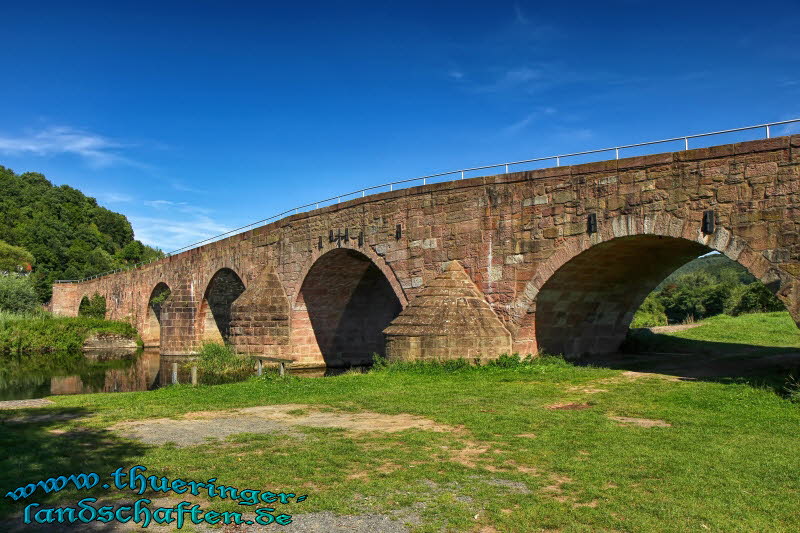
[(513, 448)]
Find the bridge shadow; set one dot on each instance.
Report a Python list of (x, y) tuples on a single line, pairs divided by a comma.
[(37, 445), (696, 360)]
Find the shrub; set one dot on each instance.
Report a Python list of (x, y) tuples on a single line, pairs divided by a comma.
[(753, 298), (14, 258), (17, 294), (218, 364), (699, 295), (94, 307), (650, 314), (43, 332)]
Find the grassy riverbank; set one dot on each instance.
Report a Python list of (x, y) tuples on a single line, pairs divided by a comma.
[(513, 446), (43, 332), (756, 333)]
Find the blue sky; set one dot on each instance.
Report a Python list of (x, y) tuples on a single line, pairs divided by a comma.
[(193, 118)]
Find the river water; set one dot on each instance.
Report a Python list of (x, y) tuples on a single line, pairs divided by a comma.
[(41, 375)]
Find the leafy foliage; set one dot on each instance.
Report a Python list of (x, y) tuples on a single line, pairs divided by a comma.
[(161, 297), (17, 294), (707, 286), (43, 332), (94, 307), (218, 364), (14, 258), (67, 233)]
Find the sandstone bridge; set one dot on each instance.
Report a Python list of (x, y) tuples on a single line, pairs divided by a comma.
[(554, 260)]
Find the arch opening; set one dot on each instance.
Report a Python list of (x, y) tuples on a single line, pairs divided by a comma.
[(587, 305), (151, 333), (344, 304), (215, 310), (94, 307)]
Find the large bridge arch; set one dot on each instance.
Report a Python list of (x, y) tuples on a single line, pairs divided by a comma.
[(344, 302), (583, 298)]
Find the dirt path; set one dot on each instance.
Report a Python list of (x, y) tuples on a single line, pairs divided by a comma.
[(195, 428)]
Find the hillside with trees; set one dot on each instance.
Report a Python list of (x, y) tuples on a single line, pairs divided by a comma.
[(709, 285), (57, 232)]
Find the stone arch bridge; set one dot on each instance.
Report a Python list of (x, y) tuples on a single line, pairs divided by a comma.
[(553, 260)]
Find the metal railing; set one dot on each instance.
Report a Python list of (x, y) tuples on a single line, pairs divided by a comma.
[(424, 180)]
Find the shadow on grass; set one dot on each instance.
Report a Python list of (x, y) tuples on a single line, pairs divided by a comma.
[(35, 448), (758, 366)]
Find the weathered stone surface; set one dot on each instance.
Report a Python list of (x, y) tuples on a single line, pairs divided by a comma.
[(522, 237), (448, 319), (109, 341)]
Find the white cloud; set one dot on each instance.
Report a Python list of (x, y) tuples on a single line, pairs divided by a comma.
[(788, 129), (179, 186), (113, 197), (511, 79), (96, 150), (172, 233), (528, 119), (519, 15), (180, 207)]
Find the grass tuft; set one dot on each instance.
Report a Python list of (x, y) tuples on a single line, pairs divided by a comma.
[(219, 364)]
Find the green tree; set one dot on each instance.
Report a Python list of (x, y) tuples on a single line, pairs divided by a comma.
[(17, 294), (14, 258), (94, 307), (68, 234)]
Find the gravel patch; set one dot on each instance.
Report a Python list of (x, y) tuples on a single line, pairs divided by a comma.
[(25, 404), (197, 427)]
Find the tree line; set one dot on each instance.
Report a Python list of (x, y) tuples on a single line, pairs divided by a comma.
[(708, 286), (50, 232)]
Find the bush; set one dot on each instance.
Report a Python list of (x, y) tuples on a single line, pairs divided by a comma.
[(94, 307), (17, 294), (650, 314), (14, 258), (753, 298), (42, 332), (699, 295), (218, 364)]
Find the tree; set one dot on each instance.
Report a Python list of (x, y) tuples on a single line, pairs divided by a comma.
[(14, 258), (66, 232), (94, 307), (17, 294)]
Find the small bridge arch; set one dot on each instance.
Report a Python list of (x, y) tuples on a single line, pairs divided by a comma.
[(151, 332)]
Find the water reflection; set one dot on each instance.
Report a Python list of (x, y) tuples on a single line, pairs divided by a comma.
[(40, 375), (175, 370)]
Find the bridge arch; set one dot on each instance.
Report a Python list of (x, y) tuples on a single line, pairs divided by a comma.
[(583, 298), (151, 332), (345, 300), (94, 306), (214, 315)]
